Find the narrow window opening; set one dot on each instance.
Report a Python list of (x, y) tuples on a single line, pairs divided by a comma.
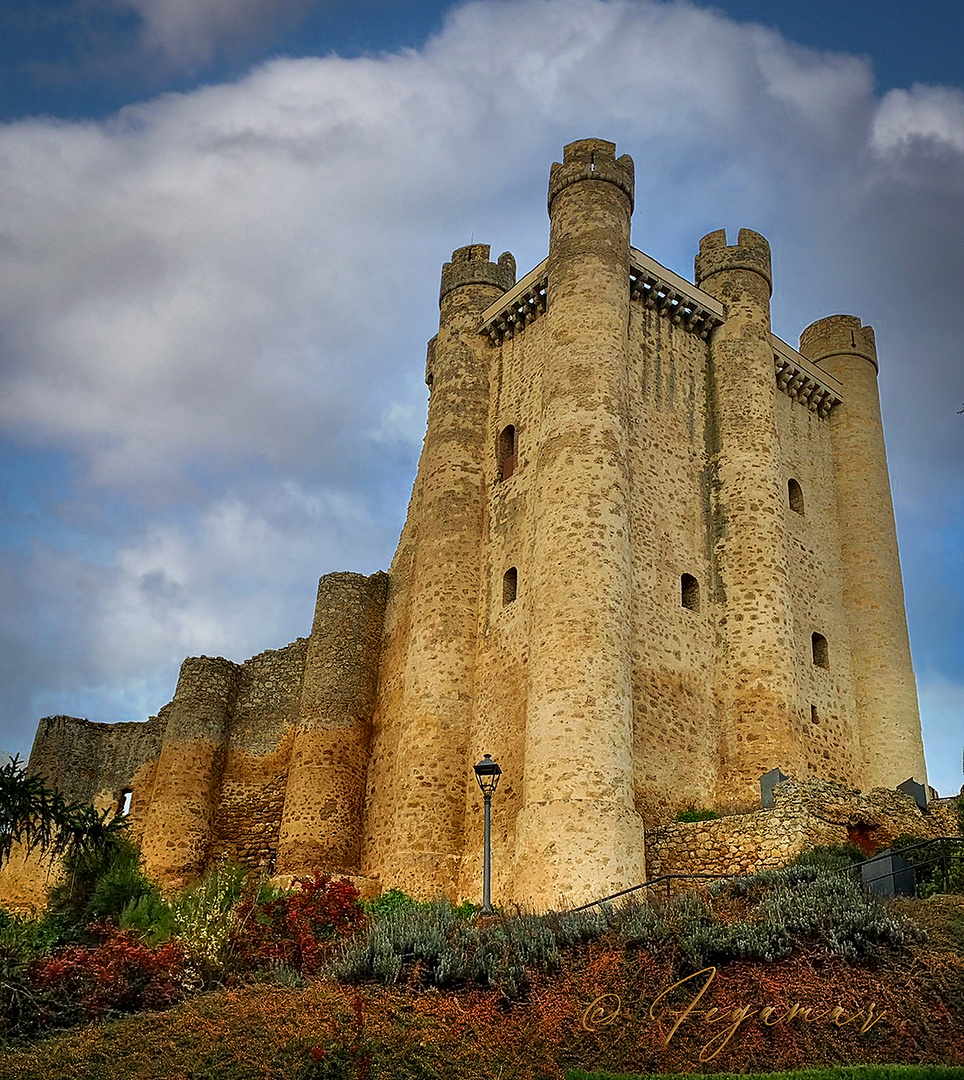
[(510, 585), (814, 717), (689, 592), (124, 803), (507, 452), (795, 494), (821, 651)]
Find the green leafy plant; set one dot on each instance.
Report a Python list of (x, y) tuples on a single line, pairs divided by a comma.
[(388, 902), (694, 813), (38, 817), (100, 883), (830, 856)]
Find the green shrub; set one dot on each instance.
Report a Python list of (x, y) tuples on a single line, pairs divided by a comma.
[(150, 917), (393, 900), (830, 856), (693, 813), (943, 878), (100, 883), (389, 902)]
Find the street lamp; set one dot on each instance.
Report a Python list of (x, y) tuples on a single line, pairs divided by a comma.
[(487, 772)]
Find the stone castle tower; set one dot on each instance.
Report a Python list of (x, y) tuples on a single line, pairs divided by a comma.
[(650, 555)]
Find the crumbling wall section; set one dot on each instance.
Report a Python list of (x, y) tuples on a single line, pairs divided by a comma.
[(90, 762), (254, 775), (87, 763), (805, 815)]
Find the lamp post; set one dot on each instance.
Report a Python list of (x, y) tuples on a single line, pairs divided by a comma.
[(487, 772)]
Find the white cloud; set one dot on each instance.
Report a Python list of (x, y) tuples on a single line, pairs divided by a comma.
[(934, 114), (190, 32)]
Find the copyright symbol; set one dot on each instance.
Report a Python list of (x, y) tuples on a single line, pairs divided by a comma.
[(601, 1012)]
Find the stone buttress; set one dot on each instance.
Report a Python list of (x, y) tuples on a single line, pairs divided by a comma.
[(180, 818), (886, 691), (322, 820)]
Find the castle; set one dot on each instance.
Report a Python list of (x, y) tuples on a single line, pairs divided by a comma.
[(650, 555)]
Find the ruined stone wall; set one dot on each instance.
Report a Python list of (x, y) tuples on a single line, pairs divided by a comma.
[(806, 814), (95, 763), (88, 763), (254, 772)]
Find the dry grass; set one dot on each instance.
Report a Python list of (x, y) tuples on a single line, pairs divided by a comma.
[(407, 1033)]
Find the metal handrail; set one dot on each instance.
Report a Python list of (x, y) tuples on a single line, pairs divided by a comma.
[(942, 841)]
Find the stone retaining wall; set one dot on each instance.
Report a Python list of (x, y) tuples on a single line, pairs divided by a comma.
[(805, 815)]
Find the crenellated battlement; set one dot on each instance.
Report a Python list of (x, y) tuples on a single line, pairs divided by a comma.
[(839, 335), (751, 252), (592, 159), (470, 265)]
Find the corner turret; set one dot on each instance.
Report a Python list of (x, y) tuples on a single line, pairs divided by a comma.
[(751, 253), (470, 266), (839, 335), (760, 730), (873, 593)]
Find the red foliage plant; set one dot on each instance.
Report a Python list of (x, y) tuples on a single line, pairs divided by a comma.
[(297, 930), (119, 974)]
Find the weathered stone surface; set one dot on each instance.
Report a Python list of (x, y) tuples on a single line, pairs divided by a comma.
[(806, 814)]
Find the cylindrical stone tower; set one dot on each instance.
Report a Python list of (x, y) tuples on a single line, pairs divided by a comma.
[(578, 834), (756, 676), (435, 712), (321, 825), (188, 779), (886, 692)]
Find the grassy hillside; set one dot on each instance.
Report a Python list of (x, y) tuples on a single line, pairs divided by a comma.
[(603, 1003)]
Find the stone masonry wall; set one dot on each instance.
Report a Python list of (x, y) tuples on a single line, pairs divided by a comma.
[(255, 770), (805, 815), (87, 763)]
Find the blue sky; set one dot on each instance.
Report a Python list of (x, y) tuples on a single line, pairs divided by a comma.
[(221, 228)]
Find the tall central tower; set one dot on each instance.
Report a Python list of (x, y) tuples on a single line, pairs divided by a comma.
[(578, 824)]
